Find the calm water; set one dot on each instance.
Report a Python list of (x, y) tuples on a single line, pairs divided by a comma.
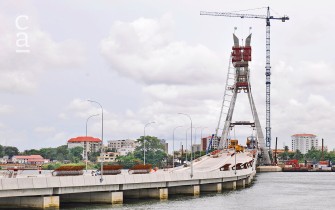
[(269, 191)]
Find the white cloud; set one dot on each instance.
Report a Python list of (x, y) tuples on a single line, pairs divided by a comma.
[(19, 71), (44, 129), (145, 51), (5, 109)]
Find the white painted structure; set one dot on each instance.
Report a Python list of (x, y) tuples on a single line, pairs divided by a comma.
[(123, 147), (304, 142)]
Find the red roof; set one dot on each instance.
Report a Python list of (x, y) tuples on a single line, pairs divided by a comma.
[(28, 157), (309, 135), (84, 139)]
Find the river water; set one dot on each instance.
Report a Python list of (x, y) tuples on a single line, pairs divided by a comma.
[(290, 190)]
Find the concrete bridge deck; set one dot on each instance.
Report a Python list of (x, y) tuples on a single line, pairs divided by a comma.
[(48, 191)]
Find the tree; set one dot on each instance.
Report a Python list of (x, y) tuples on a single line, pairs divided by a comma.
[(75, 154), (1, 151), (154, 151), (11, 151), (313, 154), (298, 155), (128, 161), (92, 156)]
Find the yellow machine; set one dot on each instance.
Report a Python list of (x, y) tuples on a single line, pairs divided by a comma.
[(233, 143), (239, 148)]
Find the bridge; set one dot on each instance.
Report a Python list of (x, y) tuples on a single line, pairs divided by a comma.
[(209, 175), (233, 166)]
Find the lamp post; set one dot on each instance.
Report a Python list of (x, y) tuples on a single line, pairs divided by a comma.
[(86, 136), (173, 145), (191, 142), (144, 140), (88, 119), (102, 136)]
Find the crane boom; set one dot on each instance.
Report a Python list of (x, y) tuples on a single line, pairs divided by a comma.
[(267, 18), (230, 14)]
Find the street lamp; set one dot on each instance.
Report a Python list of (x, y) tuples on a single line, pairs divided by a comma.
[(86, 136), (102, 136), (88, 119), (191, 142), (173, 145), (144, 140)]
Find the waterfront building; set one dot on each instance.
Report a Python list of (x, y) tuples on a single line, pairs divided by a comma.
[(196, 148), (29, 159), (108, 157), (4, 159), (205, 141), (88, 143), (304, 142), (165, 144), (123, 147)]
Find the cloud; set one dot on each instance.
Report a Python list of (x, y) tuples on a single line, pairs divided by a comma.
[(20, 71), (5, 109), (144, 50), (44, 129)]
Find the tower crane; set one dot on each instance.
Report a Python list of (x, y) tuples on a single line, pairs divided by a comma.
[(267, 19)]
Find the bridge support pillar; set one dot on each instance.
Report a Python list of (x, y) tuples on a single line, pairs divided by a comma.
[(186, 190), (161, 194), (229, 185), (240, 183), (41, 202), (94, 197), (248, 181), (217, 187)]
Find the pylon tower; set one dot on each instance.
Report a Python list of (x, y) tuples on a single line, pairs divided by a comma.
[(238, 80)]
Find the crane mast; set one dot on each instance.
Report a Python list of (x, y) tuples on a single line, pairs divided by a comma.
[(267, 17)]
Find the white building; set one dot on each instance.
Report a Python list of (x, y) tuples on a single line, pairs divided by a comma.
[(205, 141), (90, 144), (304, 142), (108, 157), (123, 147)]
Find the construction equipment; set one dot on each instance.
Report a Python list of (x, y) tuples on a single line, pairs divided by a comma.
[(233, 143), (239, 148), (267, 18)]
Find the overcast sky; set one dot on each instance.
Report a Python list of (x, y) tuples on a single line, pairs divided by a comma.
[(146, 61)]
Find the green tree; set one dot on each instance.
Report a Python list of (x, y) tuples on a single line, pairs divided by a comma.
[(92, 156), (313, 154), (75, 154), (2, 152), (298, 155), (128, 160), (11, 151), (154, 151)]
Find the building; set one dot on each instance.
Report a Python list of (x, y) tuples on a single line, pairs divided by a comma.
[(304, 142), (196, 148), (90, 144), (108, 157), (29, 159), (4, 159), (165, 144), (123, 147), (205, 141)]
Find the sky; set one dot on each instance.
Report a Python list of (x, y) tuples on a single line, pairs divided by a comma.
[(147, 60)]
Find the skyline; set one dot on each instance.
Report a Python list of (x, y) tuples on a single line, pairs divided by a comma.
[(147, 61)]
